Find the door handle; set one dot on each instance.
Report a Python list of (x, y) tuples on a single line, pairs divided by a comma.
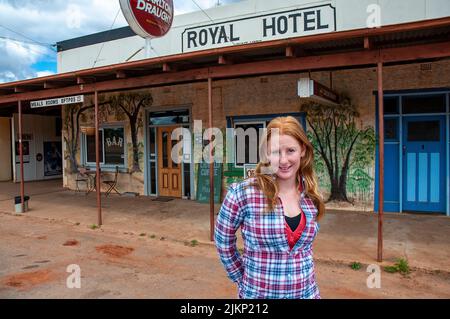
[(404, 150)]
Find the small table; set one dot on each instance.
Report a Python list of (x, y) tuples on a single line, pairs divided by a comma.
[(92, 175)]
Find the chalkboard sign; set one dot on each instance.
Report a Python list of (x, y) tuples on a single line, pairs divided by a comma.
[(203, 182)]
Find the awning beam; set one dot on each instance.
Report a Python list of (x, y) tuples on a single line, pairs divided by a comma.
[(364, 58)]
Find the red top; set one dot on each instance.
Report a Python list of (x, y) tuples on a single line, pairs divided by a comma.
[(294, 236)]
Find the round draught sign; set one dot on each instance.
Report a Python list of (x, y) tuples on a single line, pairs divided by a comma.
[(148, 18)]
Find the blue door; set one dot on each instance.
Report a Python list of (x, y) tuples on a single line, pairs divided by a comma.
[(424, 168)]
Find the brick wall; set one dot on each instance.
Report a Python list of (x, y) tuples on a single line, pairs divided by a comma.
[(278, 93)]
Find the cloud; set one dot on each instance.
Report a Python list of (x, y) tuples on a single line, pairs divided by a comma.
[(17, 57), (28, 28), (44, 73)]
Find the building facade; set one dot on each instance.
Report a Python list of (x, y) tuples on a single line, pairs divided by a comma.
[(252, 102), (136, 125)]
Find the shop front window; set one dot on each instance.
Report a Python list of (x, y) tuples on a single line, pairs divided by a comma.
[(90, 148), (247, 140), (112, 147)]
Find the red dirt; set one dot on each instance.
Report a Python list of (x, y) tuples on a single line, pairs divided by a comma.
[(72, 242), (28, 279), (347, 293), (115, 250), (42, 237)]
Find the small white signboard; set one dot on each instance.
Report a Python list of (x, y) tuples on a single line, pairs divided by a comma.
[(308, 88), (59, 101)]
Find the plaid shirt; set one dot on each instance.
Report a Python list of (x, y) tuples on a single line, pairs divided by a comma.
[(268, 268)]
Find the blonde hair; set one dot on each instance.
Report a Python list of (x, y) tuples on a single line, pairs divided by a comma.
[(289, 126)]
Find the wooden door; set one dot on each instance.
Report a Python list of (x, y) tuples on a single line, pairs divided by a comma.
[(169, 172)]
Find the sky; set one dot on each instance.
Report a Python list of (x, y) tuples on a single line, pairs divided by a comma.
[(29, 30)]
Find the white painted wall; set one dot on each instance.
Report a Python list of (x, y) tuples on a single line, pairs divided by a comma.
[(41, 129), (350, 14), (5, 147)]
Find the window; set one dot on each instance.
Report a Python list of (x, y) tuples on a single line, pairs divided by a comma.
[(152, 159), (247, 139), (249, 148), (169, 117), (391, 105), (391, 129), (424, 104), (112, 147), (90, 148), (424, 131)]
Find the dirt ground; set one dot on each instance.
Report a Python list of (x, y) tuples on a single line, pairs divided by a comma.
[(153, 249), (35, 254)]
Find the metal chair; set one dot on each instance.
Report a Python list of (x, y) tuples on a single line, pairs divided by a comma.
[(112, 183), (82, 178)]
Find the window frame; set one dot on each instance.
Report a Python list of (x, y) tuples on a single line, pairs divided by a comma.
[(245, 122), (103, 165), (395, 118), (85, 148), (406, 109)]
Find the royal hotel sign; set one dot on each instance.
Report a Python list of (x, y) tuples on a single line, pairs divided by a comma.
[(265, 27)]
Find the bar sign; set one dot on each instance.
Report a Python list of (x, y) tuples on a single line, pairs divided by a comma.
[(59, 101)]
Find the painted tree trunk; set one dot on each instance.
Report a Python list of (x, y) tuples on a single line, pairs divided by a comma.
[(338, 192), (134, 133)]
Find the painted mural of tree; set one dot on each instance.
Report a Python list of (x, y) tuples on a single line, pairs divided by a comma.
[(342, 149), (130, 105), (75, 113)]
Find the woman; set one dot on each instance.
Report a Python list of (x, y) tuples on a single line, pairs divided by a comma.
[(278, 211)]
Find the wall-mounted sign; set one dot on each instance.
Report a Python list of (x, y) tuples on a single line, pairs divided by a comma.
[(59, 101), (203, 188), (148, 18), (272, 26), (308, 88)]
